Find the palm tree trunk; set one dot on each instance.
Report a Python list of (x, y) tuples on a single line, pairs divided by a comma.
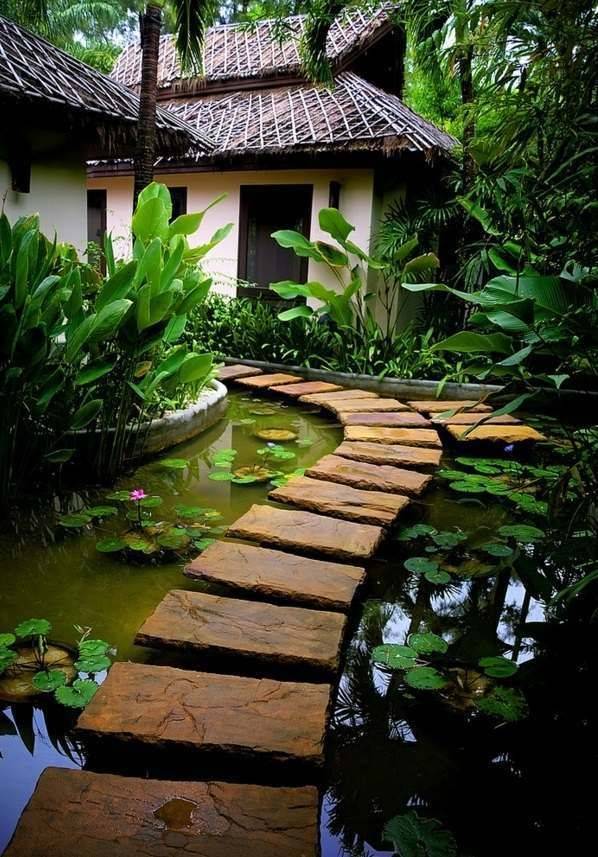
[(145, 155), (467, 100)]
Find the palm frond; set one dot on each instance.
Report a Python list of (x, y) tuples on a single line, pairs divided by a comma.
[(193, 17), (320, 18)]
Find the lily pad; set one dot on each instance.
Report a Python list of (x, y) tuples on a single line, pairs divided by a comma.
[(7, 640), (522, 532), (420, 565), (123, 496), (498, 667), (202, 544), (415, 531), (93, 648), (427, 644), (221, 476), (101, 511), (508, 703), (75, 521), (251, 474), (174, 539), (425, 678), (174, 463), (448, 539), (136, 542), (110, 545), (78, 695), (437, 576), (497, 549), (277, 435), (468, 487), (47, 681), (395, 656), (262, 412), (33, 628), (7, 659), (151, 502), (93, 664)]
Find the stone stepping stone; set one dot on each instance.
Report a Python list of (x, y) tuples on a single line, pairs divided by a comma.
[(308, 533), (370, 477), (306, 388), (357, 406), (400, 419), (380, 453), (262, 382), (470, 419), (341, 501), (496, 433), (278, 576), (173, 709), (82, 814), (320, 398), (405, 436), (231, 373), (252, 631), (435, 406)]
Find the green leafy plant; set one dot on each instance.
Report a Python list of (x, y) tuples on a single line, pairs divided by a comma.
[(414, 836)]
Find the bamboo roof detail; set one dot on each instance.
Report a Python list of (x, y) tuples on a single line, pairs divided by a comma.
[(35, 72), (265, 49), (352, 115)]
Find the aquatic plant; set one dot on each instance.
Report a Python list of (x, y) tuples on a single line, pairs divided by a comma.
[(414, 836)]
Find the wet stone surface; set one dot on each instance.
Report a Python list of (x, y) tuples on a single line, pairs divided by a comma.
[(395, 454), (82, 814), (238, 370), (400, 419), (377, 477), (405, 436)]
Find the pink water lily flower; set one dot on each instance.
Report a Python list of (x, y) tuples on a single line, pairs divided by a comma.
[(137, 494)]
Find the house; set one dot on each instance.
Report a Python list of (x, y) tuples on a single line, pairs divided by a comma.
[(283, 147), (57, 113)]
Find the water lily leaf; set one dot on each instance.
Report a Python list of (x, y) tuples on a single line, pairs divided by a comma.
[(467, 487), (118, 495), (305, 442), (247, 475), (151, 502), (75, 521), (522, 532), (437, 576), (101, 511), (394, 656), (425, 678), (110, 545), (221, 476), (413, 836), (498, 667), (93, 648), (174, 539), (420, 565), (262, 412), (202, 544), (78, 695), (451, 474), (426, 644), (7, 640), (415, 531), (497, 549), (136, 542), (508, 703), (93, 663), (446, 539), (33, 628), (174, 463), (48, 681), (7, 659)]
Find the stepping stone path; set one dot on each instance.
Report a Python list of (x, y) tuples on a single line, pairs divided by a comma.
[(279, 576), (402, 419), (262, 382), (344, 504), (341, 501), (233, 373), (396, 454), (167, 708), (405, 436), (374, 477), (305, 388), (249, 630), (308, 533), (103, 815)]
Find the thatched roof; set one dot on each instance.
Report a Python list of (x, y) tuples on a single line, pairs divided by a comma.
[(265, 49), (36, 74), (352, 115)]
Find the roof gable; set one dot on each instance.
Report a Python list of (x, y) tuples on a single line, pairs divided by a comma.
[(266, 49)]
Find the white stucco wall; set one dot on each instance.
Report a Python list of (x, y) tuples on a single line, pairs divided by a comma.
[(58, 194), (356, 201)]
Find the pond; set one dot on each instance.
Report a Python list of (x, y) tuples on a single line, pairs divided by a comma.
[(498, 785)]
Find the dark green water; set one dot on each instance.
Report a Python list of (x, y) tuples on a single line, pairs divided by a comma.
[(501, 788)]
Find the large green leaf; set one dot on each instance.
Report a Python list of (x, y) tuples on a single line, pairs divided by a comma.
[(185, 224), (394, 656), (413, 836), (118, 286), (332, 255), (425, 678), (86, 414), (428, 643), (93, 372), (78, 695), (78, 337), (109, 320), (156, 190), (297, 242), (296, 312), (467, 342), (195, 367), (150, 220), (333, 222)]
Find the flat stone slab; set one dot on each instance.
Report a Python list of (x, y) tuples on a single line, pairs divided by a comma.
[(341, 501), (395, 454), (405, 436), (278, 575), (398, 419), (436, 406), (169, 708), (250, 630), (377, 477), (471, 418), (82, 814), (305, 389), (496, 433), (355, 406), (303, 531), (320, 398), (263, 381), (238, 370)]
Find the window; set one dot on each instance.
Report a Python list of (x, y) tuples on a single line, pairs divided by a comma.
[(96, 216), (179, 201), (265, 209)]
